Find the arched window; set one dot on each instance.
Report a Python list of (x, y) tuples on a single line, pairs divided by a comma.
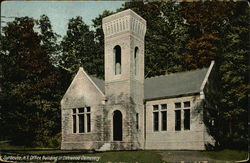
[(117, 57), (136, 60)]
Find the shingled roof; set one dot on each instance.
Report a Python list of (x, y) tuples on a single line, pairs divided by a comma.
[(99, 83), (164, 86), (175, 84)]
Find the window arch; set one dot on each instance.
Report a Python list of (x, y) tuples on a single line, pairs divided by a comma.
[(136, 60), (117, 57)]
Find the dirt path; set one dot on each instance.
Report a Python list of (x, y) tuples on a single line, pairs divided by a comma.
[(186, 156)]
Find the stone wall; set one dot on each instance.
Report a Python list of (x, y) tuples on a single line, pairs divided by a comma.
[(192, 139), (125, 91), (131, 139), (82, 93)]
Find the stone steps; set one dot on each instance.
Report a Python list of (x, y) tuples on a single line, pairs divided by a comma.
[(105, 147)]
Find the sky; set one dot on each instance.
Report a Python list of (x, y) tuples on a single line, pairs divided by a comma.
[(59, 13)]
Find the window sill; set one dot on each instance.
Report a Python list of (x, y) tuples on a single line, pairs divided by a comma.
[(82, 133)]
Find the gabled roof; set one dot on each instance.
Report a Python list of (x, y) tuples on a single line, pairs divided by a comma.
[(175, 84)]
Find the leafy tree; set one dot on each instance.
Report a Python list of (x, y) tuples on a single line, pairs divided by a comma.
[(49, 38), (78, 47), (205, 21), (30, 108), (165, 36), (234, 70), (99, 38), (219, 31)]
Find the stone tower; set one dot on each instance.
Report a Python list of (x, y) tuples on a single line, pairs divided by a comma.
[(124, 80)]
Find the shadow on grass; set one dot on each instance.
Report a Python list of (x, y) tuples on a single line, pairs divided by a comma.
[(227, 155)]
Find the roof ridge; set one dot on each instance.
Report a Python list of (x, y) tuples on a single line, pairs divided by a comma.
[(177, 73), (95, 77)]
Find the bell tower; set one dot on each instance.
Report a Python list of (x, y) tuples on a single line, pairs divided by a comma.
[(124, 34)]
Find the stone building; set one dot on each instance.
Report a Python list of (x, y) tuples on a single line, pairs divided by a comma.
[(126, 111)]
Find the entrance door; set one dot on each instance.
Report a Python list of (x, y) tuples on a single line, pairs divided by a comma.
[(117, 126)]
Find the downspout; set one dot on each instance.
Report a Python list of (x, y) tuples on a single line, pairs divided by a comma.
[(144, 105)]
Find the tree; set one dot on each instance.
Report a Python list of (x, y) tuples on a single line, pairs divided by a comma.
[(78, 47), (206, 21), (219, 31), (234, 71), (99, 38), (49, 38), (165, 36), (31, 114)]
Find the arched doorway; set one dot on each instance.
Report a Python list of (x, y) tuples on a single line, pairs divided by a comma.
[(117, 126)]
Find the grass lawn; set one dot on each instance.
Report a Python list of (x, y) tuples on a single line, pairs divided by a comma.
[(118, 156), (6, 148), (143, 156), (226, 155), (130, 156)]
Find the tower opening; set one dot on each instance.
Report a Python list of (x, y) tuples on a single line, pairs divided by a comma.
[(117, 126), (117, 53), (136, 60)]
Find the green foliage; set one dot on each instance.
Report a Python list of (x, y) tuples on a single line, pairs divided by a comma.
[(220, 31), (165, 37), (30, 112), (49, 38), (99, 38), (234, 72), (205, 21), (78, 48)]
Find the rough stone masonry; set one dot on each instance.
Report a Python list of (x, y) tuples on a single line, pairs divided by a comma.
[(127, 111)]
